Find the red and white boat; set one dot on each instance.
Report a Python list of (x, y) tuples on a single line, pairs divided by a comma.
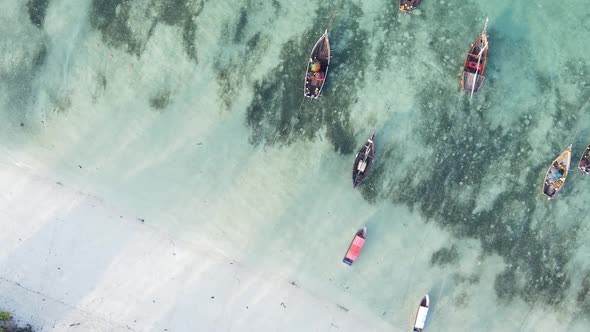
[(421, 314), (355, 246), (475, 62)]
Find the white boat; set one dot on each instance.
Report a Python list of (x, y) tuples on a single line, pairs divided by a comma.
[(421, 314)]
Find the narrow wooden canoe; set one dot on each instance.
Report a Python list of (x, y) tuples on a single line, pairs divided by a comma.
[(557, 173), (584, 164), (317, 67), (408, 5), (421, 314), (363, 161), (355, 246), (475, 62)]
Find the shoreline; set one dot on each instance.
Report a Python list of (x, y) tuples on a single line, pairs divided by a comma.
[(75, 268)]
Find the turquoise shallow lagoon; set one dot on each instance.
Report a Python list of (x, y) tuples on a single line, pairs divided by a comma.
[(190, 114)]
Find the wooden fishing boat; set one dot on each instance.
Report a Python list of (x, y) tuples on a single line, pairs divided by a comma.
[(557, 173), (363, 161), (584, 164), (421, 314), (408, 5), (317, 68), (475, 62), (355, 246)]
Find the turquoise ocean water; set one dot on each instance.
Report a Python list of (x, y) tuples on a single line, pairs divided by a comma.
[(190, 113)]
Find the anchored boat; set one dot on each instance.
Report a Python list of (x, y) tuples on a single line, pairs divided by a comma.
[(317, 68), (363, 161), (557, 173), (475, 62), (355, 246), (408, 5), (584, 164), (421, 314)]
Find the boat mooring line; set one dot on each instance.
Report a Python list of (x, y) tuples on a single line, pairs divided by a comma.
[(441, 290), (527, 315), (413, 261), (579, 122), (301, 104)]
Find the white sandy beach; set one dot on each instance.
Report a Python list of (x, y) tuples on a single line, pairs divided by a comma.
[(71, 261)]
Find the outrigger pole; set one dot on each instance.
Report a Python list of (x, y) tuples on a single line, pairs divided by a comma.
[(484, 32)]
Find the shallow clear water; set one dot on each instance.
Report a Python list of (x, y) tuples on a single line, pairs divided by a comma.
[(190, 114)]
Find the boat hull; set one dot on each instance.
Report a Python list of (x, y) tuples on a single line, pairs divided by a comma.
[(421, 314), (584, 163), (557, 173), (355, 247), (319, 58), (363, 161), (407, 6), (475, 64)]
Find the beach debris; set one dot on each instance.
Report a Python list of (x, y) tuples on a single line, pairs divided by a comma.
[(80, 166), (141, 219), (294, 283), (9, 324), (5, 315), (212, 297), (22, 124), (342, 307), (74, 324), (57, 182), (283, 305)]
